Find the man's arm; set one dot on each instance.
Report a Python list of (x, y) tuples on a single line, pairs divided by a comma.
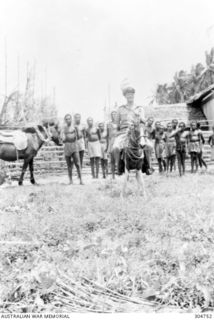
[(174, 133), (202, 138), (118, 120), (98, 133), (77, 133), (63, 134)]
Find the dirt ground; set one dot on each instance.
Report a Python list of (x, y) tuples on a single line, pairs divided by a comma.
[(158, 250)]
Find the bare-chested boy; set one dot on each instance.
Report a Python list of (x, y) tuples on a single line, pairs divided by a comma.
[(160, 146), (104, 146), (194, 145), (170, 148), (202, 142), (70, 137), (94, 147), (81, 136), (181, 137), (150, 136)]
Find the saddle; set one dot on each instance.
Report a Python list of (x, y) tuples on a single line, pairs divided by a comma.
[(16, 137)]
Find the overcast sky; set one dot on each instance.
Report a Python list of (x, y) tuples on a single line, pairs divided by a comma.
[(90, 45)]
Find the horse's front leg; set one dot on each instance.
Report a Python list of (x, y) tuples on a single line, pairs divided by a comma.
[(126, 177), (24, 168), (32, 180), (140, 181)]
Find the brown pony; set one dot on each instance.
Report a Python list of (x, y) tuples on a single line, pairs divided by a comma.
[(36, 137)]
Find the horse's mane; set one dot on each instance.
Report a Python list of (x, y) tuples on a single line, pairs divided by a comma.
[(33, 129)]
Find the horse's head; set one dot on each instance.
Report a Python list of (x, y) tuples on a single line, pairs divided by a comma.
[(54, 132), (137, 134)]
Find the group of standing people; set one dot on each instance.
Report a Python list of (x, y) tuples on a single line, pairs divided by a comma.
[(97, 140), (177, 141), (105, 141)]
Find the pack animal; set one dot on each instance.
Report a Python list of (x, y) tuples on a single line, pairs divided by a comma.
[(24, 145)]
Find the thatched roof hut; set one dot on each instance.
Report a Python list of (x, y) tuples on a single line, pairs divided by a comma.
[(204, 102)]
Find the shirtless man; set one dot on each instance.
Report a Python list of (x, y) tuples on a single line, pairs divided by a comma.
[(194, 145), (81, 136), (150, 136), (111, 135), (104, 146), (94, 147), (70, 137), (202, 142), (160, 146), (174, 128), (174, 124), (181, 137), (170, 148)]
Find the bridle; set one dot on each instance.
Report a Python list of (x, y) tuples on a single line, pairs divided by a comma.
[(40, 135)]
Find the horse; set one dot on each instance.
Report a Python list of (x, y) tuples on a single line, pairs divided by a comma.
[(116, 162), (132, 157), (36, 137)]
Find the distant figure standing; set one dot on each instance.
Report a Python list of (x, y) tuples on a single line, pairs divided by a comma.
[(174, 128), (202, 142), (94, 148), (70, 137), (174, 124), (194, 145), (160, 146), (211, 143), (170, 148), (181, 137), (104, 146), (81, 136), (111, 135), (149, 137)]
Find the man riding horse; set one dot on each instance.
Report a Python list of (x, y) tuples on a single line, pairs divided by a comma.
[(127, 115)]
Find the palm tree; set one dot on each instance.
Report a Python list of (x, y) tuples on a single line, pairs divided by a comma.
[(185, 84)]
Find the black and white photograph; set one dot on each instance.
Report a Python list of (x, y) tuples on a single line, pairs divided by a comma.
[(107, 159)]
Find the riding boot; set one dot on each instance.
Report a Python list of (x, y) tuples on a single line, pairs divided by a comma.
[(106, 167), (164, 165), (103, 168), (160, 165), (97, 164)]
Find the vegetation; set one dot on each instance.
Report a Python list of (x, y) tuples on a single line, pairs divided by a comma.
[(73, 248), (21, 108), (186, 84)]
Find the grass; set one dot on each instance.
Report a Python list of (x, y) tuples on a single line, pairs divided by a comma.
[(159, 249)]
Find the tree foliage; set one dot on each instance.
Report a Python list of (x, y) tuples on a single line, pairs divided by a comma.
[(186, 84), (21, 108)]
